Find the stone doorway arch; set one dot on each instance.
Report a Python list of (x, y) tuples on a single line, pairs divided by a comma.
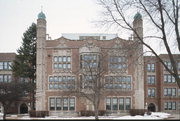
[(151, 107), (23, 108)]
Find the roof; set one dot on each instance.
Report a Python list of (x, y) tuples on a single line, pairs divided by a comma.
[(41, 15), (80, 36), (138, 16), (7, 56)]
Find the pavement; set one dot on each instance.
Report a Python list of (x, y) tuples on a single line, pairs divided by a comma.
[(174, 116)]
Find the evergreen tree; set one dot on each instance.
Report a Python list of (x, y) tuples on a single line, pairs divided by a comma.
[(24, 66)]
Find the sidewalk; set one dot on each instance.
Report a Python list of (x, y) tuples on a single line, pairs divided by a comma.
[(174, 117)]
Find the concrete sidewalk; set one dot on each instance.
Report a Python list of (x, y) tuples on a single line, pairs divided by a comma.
[(175, 116)]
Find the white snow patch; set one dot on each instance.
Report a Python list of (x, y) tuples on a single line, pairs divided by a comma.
[(154, 115)]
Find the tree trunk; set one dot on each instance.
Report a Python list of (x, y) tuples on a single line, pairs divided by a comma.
[(4, 112), (96, 106), (96, 112)]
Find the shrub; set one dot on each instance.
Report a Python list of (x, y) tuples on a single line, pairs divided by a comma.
[(92, 113), (34, 113), (134, 112)]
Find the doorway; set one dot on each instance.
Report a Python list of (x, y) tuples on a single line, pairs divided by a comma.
[(151, 107), (23, 108)]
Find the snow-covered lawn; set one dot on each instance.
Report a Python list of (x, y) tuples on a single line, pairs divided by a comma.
[(154, 115)]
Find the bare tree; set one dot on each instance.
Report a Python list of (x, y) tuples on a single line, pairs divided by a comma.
[(91, 79), (94, 68), (11, 92), (162, 16)]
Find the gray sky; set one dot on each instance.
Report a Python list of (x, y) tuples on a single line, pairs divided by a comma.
[(62, 16)]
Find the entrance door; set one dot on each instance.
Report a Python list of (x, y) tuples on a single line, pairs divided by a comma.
[(23, 108), (151, 107)]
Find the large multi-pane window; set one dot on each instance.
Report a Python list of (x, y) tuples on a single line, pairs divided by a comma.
[(62, 103), (170, 92), (151, 92), (88, 61), (5, 65), (118, 103), (88, 81), (169, 78), (118, 82), (5, 78), (117, 62), (61, 82), (170, 106), (151, 67), (151, 79), (62, 62)]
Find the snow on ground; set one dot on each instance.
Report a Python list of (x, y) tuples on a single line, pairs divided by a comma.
[(154, 115)]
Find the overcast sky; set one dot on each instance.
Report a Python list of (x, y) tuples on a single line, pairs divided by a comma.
[(62, 16)]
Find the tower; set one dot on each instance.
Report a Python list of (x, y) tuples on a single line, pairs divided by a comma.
[(139, 63), (40, 62), (138, 26)]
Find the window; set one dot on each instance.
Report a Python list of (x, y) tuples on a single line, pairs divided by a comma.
[(179, 92), (1, 65), (1, 78), (151, 92), (151, 79), (168, 64), (72, 104), (173, 91), (65, 103), (169, 78), (173, 105), (151, 67), (118, 82), (62, 62), (52, 104), (62, 103), (88, 61), (5, 78), (58, 104), (170, 92), (5, 65), (179, 105), (104, 37), (165, 91), (170, 106), (61, 82), (55, 59), (118, 103), (121, 103), (128, 103), (117, 62), (165, 106), (88, 81), (108, 103), (115, 103), (179, 66)]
